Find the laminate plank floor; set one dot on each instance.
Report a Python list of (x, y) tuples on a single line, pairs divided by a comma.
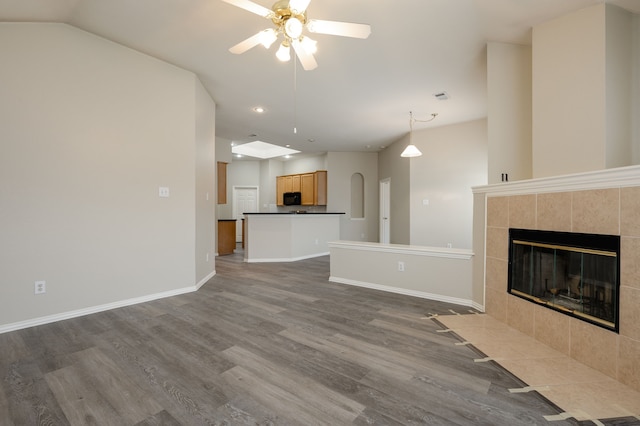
[(263, 344)]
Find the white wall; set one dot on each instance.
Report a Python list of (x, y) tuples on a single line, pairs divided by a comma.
[(89, 131), (340, 167), (509, 111), (454, 160)]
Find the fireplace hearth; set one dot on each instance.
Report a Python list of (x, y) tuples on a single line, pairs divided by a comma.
[(573, 273)]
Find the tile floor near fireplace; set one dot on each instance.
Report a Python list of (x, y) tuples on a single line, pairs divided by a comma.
[(580, 391)]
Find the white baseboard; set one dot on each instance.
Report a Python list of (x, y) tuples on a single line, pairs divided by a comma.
[(406, 292), (205, 279), (286, 259), (99, 308)]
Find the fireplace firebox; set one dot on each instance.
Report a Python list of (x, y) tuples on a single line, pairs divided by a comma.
[(573, 273)]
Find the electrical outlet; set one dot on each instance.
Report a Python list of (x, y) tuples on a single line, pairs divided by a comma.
[(40, 287), (401, 266), (163, 192)]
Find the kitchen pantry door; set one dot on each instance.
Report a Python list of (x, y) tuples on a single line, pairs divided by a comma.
[(245, 200)]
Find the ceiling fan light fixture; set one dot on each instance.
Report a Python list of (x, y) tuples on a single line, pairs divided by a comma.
[(284, 52), (293, 27), (299, 6), (268, 37)]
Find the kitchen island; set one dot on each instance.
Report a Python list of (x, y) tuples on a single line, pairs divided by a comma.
[(287, 237)]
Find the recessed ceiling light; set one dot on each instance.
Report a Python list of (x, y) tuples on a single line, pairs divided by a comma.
[(288, 146), (259, 110)]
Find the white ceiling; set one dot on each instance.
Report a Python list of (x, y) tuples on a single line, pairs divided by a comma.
[(360, 95)]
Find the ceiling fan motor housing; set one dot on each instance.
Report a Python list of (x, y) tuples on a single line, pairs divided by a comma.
[(282, 13)]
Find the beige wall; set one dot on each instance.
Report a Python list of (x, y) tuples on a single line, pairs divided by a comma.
[(454, 160), (395, 168), (582, 92), (340, 167), (509, 111), (89, 131), (611, 207)]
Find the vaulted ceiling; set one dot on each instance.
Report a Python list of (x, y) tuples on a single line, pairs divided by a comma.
[(359, 96)]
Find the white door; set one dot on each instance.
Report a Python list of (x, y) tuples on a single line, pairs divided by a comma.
[(245, 200), (385, 210)]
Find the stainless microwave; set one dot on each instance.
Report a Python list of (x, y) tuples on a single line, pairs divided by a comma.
[(291, 199)]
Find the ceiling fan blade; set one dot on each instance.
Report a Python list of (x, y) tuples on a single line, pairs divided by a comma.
[(306, 59), (346, 29), (251, 7), (299, 5), (247, 44)]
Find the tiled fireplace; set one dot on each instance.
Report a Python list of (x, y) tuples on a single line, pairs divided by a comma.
[(603, 203)]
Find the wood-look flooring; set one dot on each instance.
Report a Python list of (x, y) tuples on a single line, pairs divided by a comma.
[(260, 344)]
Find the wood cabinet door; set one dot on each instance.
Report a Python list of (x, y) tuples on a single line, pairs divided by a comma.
[(222, 182), (280, 190), (320, 187), (295, 183), (307, 189), (288, 183)]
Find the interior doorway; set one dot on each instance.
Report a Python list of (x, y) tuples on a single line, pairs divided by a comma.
[(245, 200), (385, 210)]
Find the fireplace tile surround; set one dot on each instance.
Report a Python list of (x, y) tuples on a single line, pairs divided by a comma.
[(596, 203)]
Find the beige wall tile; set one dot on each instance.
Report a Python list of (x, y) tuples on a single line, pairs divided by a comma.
[(498, 243), (630, 312), (630, 211), (594, 347), (596, 211), (497, 273), (554, 211), (522, 211), (552, 328), (629, 363), (498, 212), (630, 261), (496, 304), (520, 315)]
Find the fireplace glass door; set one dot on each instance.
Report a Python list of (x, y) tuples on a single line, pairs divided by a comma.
[(578, 280)]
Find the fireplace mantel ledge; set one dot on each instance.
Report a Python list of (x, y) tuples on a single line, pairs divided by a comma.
[(601, 179)]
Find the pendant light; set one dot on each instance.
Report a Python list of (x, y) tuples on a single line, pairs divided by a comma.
[(411, 150)]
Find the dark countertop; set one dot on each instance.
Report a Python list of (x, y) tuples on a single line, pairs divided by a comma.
[(295, 212)]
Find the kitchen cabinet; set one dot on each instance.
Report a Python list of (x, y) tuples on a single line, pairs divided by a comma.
[(226, 236), (307, 189), (222, 182), (312, 187), (320, 188)]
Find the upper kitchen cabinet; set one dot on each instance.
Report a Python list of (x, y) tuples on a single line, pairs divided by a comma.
[(312, 187), (222, 183)]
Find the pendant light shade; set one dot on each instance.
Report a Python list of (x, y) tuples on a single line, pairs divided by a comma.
[(411, 150)]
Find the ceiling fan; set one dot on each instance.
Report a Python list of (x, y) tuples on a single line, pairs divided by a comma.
[(290, 19)]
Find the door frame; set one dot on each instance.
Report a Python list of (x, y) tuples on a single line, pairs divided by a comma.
[(385, 206), (234, 207)]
